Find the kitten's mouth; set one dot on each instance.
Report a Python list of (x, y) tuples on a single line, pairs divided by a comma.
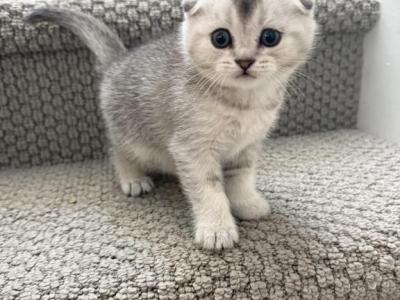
[(246, 75)]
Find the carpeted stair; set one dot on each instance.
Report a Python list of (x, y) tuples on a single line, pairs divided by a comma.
[(67, 231)]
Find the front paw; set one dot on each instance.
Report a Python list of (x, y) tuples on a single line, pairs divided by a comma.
[(217, 236), (252, 206), (136, 186)]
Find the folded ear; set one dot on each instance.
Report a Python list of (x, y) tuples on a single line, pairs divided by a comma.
[(305, 5), (190, 7)]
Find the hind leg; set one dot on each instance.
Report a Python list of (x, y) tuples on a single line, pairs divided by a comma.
[(133, 179)]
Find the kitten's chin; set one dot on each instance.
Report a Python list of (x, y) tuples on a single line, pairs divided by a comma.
[(245, 82)]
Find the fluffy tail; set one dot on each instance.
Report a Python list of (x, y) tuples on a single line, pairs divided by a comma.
[(105, 44)]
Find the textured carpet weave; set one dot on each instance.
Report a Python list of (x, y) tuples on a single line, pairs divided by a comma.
[(135, 20), (67, 232), (48, 88)]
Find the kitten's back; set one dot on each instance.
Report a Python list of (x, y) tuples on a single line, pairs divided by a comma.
[(138, 90)]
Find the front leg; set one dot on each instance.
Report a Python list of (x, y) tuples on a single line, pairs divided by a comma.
[(201, 177), (240, 186)]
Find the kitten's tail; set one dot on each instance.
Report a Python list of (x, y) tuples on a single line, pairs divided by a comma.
[(104, 43)]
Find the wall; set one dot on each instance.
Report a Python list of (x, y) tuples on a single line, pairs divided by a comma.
[(379, 112)]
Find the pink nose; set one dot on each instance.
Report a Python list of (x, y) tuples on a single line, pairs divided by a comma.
[(245, 64)]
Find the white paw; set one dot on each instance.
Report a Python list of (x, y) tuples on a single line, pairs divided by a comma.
[(251, 207), (137, 186), (217, 237)]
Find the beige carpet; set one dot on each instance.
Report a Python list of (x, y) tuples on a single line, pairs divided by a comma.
[(67, 232)]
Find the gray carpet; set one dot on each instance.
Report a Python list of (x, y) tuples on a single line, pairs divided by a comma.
[(67, 232)]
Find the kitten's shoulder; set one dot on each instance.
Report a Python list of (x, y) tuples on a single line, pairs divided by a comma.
[(164, 49), (156, 57)]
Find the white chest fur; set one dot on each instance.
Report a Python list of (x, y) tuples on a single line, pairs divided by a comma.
[(232, 129), (248, 127), (252, 126)]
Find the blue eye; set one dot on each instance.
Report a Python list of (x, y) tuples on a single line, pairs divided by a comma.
[(221, 38), (270, 37)]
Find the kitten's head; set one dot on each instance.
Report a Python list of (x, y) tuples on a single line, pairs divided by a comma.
[(243, 43)]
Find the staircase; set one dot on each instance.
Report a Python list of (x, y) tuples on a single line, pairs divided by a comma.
[(67, 231)]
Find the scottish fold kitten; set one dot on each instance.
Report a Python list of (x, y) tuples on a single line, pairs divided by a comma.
[(199, 102)]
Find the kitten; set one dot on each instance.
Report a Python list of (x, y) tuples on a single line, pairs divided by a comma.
[(198, 103)]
